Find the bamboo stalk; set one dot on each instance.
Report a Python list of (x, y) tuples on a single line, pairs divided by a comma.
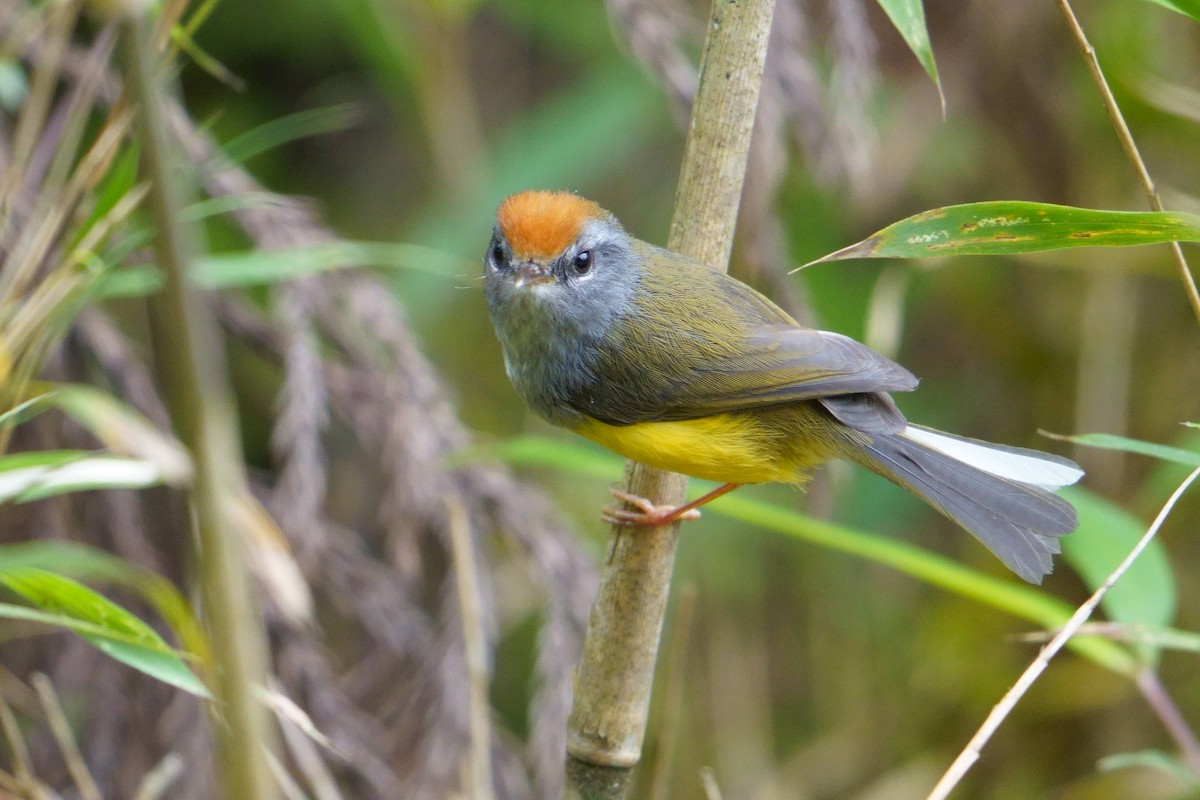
[(612, 696), (190, 366)]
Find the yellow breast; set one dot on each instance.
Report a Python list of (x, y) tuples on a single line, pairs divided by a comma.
[(729, 448)]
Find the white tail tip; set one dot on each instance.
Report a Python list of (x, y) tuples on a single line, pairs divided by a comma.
[(1024, 466)]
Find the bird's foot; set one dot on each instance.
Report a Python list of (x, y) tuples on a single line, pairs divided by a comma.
[(645, 514)]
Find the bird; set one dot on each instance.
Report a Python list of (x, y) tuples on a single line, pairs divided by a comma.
[(667, 361)]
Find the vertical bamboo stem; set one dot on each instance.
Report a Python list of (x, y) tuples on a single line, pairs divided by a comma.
[(190, 367), (612, 697)]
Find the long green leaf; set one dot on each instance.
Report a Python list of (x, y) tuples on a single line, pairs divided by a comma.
[(1154, 636), (1110, 441), (1022, 601), (262, 267), (33, 476), (104, 624), (280, 131), (25, 410), (83, 563), (1189, 8), (909, 18), (257, 267), (1007, 227)]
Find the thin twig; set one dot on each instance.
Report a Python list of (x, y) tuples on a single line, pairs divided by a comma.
[(155, 783), (308, 759), (478, 784), (1130, 147), (289, 789), (1168, 713), (22, 770), (970, 753), (61, 729)]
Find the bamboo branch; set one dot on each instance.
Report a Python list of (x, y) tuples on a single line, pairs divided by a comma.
[(1130, 147), (191, 370), (612, 698)]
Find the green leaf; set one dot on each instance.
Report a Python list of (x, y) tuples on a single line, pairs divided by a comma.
[(257, 267), (1006, 227), (261, 267), (127, 282), (33, 476), (571, 455), (310, 122), (1151, 759), (1020, 600), (121, 429), (84, 563), (228, 203), (1110, 441), (104, 624), (1146, 594), (116, 184), (1189, 8), (1154, 636), (25, 410), (1164, 476), (909, 18)]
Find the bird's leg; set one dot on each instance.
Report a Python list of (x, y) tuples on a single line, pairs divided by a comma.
[(649, 515)]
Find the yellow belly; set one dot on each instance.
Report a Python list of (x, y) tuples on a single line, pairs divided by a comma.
[(747, 447)]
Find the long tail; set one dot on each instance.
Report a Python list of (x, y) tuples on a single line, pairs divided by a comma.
[(1002, 495)]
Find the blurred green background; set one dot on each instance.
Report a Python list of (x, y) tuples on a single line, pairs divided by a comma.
[(807, 673)]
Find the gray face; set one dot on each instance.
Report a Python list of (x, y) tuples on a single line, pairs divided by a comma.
[(550, 316)]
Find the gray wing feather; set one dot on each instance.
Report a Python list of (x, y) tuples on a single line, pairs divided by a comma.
[(785, 364)]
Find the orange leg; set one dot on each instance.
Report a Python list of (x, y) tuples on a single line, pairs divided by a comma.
[(649, 515)]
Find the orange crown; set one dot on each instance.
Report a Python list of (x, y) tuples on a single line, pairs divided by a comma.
[(543, 224)]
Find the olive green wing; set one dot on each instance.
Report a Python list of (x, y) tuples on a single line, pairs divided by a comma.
[(725, 347), (695, 376)]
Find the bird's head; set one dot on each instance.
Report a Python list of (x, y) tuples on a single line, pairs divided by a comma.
[(557, 255)]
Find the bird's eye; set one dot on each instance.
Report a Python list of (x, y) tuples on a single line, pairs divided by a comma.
[(582, 263), (498, 256)]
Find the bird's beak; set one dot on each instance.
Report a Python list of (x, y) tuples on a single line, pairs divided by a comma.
[(531, 273)]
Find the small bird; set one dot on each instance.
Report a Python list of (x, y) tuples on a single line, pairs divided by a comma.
[(669, 362)]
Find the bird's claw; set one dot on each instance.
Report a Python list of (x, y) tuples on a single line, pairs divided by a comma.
[(645, 514)]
